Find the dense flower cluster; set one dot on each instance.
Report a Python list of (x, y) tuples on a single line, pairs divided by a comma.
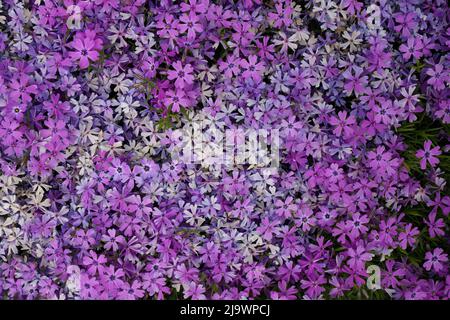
[(94, 206)]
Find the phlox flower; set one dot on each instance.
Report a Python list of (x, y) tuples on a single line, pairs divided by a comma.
[(190, 23), (436, 260), (343, 124), (182, 75), (253, 69), (85, 50), (428, 155), (358, 257)]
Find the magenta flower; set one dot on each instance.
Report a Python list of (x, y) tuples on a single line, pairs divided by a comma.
[(113, 278), (190, 23), (85, 51), (112, 240), (176, 100), (358, 257), (182, 75), (428, 154), (195, 292), (84, 239), (131, 291), (10, 132), (405, 22), (22, 89), (230, 67), (286, 293), (435, 226), (439, 202), (343, 124), (167, 27), (436, 260), (285, 208), (439, 76), (253, 69), (413, 48), (355, 81), (313, 285), (94, 263), (357, 225), (408, 236), (305, 219), (352, 6)]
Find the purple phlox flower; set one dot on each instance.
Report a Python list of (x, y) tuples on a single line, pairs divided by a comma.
[(436, 260), (428, 155), (357, 225), (408, 236), (412, 48), (190, 23), (94, 262), (314, 285), (195, 292), (285, 208), (131, 291), (176, 99), (182, 74), (285, 293), (112, 240), (253, 69), (442, 203), (405, 23), (282, 16), (22, 89), (435, 226), (86, 48), (305, 218), (439, 76), (352, 6), (356, 82), (390, 277), (343, 124)]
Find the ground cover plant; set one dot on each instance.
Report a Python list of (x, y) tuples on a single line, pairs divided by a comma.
[(99, 202)]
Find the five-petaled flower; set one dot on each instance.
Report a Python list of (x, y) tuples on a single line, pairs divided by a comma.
[(428, 155)]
